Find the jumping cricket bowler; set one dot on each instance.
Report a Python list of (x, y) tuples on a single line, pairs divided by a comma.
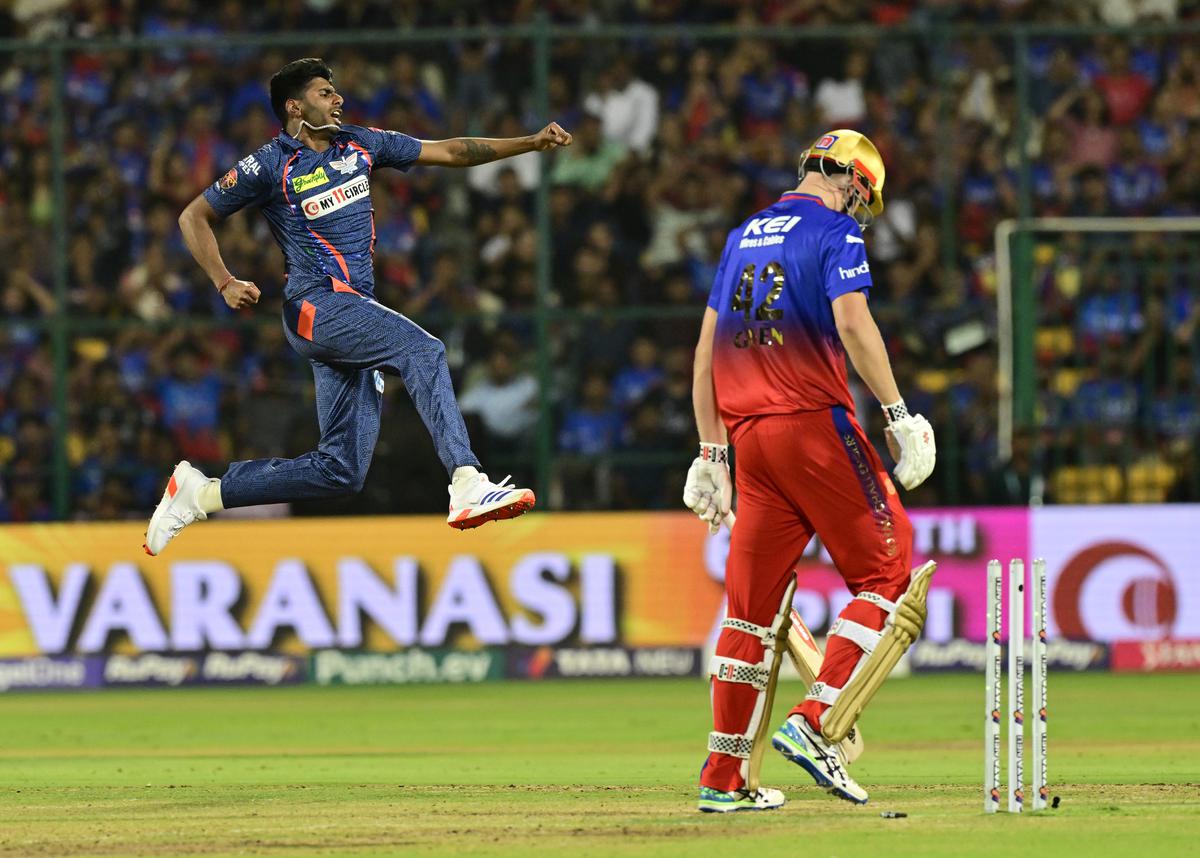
[(313, 184), (789, 302)]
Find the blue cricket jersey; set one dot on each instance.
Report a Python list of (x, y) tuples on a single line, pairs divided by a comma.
[(318, 203)]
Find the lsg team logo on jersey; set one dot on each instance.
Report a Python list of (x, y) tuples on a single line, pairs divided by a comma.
[(339, 197), (346, 165)]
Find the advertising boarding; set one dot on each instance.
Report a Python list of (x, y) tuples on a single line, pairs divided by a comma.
[(559, 595)]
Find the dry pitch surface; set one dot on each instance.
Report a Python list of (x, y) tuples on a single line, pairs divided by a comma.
[(578, 768)]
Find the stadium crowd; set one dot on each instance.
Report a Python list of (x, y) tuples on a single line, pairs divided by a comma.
[(676, 141)]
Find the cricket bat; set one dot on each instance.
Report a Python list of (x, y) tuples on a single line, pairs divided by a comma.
[(807, 657)]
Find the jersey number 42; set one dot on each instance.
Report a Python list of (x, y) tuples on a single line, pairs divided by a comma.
[(743, 294)]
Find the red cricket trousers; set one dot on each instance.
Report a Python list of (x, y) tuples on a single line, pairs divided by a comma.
[(800, 474)]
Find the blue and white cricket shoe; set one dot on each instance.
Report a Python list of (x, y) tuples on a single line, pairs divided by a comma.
[(482, 501), (715, 801), (803, 746)]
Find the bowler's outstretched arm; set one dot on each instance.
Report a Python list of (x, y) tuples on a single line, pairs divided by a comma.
[(470, 151)]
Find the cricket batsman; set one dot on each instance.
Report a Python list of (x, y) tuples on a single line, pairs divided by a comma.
[(313, 184), (788, 303)]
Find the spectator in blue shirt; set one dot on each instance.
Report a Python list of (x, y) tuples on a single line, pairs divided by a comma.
[(593, 427), (191, 399), (639, 377), (1135, 184), (1113, 312)]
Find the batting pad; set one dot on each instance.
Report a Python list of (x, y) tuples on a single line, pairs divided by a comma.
[(902, 628)]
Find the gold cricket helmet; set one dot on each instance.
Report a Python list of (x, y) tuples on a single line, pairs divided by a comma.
[(846, 151)]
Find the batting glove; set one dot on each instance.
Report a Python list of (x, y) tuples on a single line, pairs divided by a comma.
[(910, 439), (709, 491)]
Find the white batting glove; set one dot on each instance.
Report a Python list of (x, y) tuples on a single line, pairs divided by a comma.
[(910, 440), (708, 491)]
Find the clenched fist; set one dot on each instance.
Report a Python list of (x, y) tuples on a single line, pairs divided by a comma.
[(240, 293), (551, 137)]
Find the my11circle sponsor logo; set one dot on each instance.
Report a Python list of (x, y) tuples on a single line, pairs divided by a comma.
[(336, 198)]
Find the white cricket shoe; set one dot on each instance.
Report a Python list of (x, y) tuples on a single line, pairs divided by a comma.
[(177, 509), (808, 749), (482, 501), (715, 801)]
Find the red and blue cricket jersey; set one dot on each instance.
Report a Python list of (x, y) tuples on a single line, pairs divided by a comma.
[(777, 350), (318, 203)]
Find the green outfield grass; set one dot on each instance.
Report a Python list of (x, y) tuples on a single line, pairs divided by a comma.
[(571, 768)]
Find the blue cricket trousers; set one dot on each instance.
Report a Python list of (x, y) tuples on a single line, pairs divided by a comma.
[(350, 339)]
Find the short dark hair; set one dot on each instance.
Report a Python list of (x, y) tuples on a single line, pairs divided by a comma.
[(291, 81)]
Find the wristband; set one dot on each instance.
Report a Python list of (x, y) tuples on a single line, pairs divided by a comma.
[(718, 453), (225, 282), (896, 411)]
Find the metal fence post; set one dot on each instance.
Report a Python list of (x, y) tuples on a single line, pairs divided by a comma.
[(1024, 311), (60, 330), (545, 437)]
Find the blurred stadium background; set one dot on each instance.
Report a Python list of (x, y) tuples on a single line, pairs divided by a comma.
[(568, 287), (1064, 383)]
